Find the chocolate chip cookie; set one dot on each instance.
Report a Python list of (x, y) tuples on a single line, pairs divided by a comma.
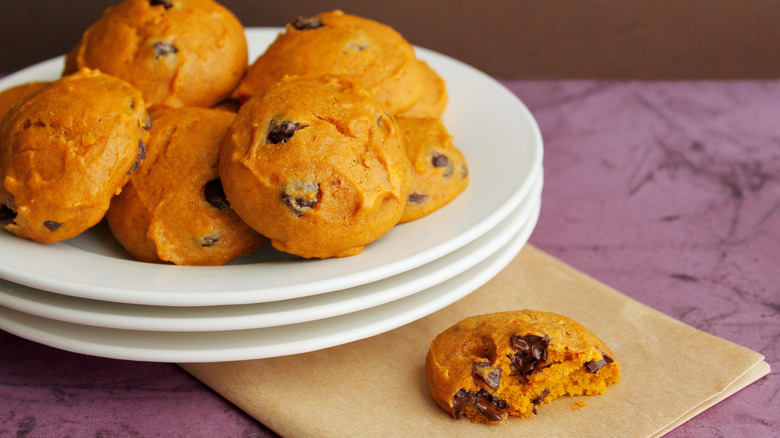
[(490, 366), (176, 52), (15, 95), (317, 166), (174, 209), (334, 43), (65, 151), (440, 169)]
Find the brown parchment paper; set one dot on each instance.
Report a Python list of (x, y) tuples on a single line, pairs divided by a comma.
[(377, 386)]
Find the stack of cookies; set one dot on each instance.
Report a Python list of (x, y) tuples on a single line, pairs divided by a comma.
[(332, 137)]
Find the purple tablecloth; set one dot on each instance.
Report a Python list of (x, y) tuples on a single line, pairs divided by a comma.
[(669, 192)]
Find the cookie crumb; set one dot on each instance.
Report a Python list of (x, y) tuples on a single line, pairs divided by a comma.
[(578, 405)]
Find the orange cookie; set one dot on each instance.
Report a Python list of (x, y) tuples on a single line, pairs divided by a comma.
[(65, 151), (15, 95), (317, 166), (173, 209), (334, 43), (440, 169), (434, 98), (176, 52), (488, 366)]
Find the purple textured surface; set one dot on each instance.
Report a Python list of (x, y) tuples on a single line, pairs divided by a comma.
[(668, 192)]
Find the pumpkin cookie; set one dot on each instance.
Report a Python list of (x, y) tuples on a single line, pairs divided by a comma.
[(488, 366), (173, 209), (434, 98), (440, 169), (334, 43), (317, 166), (176, 52), (15, 95), (65, 151)]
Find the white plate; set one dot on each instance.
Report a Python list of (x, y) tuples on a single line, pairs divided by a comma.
[(260, 343), (258, 315), (495, 131)]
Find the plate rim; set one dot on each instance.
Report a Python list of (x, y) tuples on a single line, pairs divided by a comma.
[(482, 273), (446, 267)]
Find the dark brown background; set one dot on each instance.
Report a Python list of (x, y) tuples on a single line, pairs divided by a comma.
[(646, 39)]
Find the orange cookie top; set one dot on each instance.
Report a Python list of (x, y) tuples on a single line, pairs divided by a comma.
[(176, 52), (65, 151), (317, 166), (334, 43)]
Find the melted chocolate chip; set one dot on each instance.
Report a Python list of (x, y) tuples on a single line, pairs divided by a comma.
[(215, 194), (460, 401), (162, 48), (417, 198), (207, 241), (167, 3), (282, 132), (301, 197), (531, 353), (491, 407), (138, 158), (51, 225), (488, 405), (464, 171), (302, 23), (594, 366), (7, 215), (490, 374), (540, 399), (439, 160)]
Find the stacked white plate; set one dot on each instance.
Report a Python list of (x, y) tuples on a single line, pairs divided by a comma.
[(88, 295)]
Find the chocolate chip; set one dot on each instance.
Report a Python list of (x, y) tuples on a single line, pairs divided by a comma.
[(301, 197), (531, 353), (417, 198), (162, 49), (302, 23), (488, 405), (490, 374), (207, 241), (283, 131), (439, 160), (491, 407), (138, 158), (594, 366), (167, 3), (7, 215), (542, 396), (215, 194), (460, 401), (146, 123), (464, 171), (51, 225)]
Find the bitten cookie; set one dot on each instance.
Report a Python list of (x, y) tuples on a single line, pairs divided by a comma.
[(488, 366), (440, 169), (334, 43), (15, 95), (317, 166), (65, 151), (174, 209), (176, 52)]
